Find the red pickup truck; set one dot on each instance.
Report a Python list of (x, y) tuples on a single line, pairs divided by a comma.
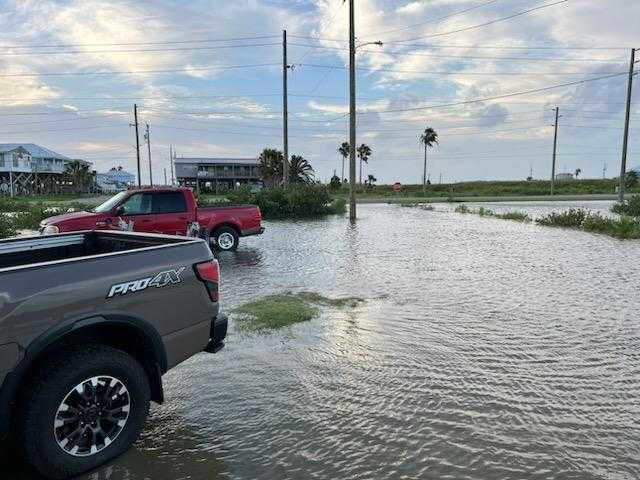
[(167, 210)]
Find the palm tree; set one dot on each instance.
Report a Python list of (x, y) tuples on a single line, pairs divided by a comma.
[(270, 165), (371, 180), (427, 138), (79, 173), (343, 150), (631, 179), (578, 172), (300, 170), (364, 152)]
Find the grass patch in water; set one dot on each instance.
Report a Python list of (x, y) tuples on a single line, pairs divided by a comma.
[(285, 309), (579, 219), (485, 212), (421, 206)]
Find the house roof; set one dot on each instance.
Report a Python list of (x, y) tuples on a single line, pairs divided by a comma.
[(10, 148), (34, 150), (217, 160)]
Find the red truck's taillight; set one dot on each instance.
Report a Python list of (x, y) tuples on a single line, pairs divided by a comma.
[(209, 274)]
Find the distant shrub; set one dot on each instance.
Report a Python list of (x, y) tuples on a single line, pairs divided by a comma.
[(572, 218), (298, 200), (462, 209), (629, 207)]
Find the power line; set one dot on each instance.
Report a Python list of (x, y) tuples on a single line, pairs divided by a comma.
[(472, 47), (304, 55), (454, 14), (452, 72), (62, 112), (131, 72), (64, 129), (82, 52), (498, 97), (124, 44), (485, 24)]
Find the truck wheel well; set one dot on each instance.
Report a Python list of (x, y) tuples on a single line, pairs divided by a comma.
[(230, 225), (122, 337)]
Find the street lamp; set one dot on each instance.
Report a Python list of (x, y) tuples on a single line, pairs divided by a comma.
[(352, 112)]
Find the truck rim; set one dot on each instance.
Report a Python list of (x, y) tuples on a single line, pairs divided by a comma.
[(91, 416), (225, 241)]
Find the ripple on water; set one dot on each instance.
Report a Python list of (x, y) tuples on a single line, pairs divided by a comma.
[(487, 349)]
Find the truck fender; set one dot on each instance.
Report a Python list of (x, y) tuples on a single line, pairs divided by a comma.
[(154, 367)]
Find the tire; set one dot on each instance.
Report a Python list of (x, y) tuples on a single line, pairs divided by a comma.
[(101, 373), (225, 239)]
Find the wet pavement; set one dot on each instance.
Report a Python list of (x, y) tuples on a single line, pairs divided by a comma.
[(485, 349)]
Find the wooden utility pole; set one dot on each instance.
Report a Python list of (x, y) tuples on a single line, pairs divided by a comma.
[(555, 146), (625, 141), (135, 117), (173, 167), (165, 175), (352, 113), (148, 137), (285, 113)]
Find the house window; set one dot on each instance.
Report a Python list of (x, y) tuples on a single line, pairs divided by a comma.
[(1, 160), (16, 161)]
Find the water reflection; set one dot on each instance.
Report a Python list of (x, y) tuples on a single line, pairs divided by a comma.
[(486, 349)]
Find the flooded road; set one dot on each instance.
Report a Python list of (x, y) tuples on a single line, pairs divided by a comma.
[(485, 349)]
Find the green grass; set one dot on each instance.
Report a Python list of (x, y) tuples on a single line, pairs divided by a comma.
[(285, 309), (485, 212), (493, 189), (625, 227), (26, 215), (421, 206), (630, 207)]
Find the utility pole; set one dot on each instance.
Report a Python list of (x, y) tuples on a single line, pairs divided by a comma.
[(352, 113), (148, 137), (135, 116), (604, 171), (173, 168), (165, 175), (625, 141), (285, 113), (555, 145)]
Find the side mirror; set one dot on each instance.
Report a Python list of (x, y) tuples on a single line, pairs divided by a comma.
[(119, 211)]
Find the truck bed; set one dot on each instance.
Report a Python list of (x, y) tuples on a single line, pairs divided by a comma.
[(27, 251)]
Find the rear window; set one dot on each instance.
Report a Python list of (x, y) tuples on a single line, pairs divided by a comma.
[(169, 202)]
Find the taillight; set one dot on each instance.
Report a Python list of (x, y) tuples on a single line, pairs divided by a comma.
[(209, 274)]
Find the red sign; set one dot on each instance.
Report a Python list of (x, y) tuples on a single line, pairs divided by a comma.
[(397, 187)]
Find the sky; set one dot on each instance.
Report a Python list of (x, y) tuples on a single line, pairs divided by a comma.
[(207, 78)]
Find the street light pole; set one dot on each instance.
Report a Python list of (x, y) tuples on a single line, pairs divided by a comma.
[(352, 114), (285, 112)]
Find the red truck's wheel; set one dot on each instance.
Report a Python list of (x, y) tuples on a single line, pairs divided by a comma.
[(85, 407), (225, 239)]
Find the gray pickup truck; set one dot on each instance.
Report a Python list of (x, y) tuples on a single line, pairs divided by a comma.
[(89, 323)]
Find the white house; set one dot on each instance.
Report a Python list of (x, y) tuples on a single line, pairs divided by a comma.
[(14, 159), (115, 180)]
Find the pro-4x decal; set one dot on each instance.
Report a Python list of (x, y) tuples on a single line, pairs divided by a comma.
[(162, 279)]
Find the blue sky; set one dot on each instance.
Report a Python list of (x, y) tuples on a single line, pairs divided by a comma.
[(176, 57)]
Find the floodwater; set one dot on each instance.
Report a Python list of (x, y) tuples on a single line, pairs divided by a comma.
[(485, 349)]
